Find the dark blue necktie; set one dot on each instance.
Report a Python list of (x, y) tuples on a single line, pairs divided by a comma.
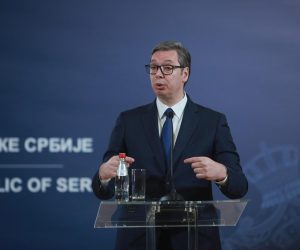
[(167, 134)]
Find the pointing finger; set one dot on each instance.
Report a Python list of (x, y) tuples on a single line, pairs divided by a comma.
[(193, 160)]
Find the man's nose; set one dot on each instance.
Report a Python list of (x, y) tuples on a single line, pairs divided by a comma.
[(159, 73)]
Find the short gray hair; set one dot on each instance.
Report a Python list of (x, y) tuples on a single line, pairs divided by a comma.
[(184, 57)]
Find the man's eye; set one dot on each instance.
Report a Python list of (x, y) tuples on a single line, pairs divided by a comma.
[(153, 67), (168, 67)]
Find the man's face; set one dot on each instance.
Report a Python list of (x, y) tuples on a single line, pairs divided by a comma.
[(169, 88)]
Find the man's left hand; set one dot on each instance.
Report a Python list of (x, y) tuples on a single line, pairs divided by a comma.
[(207, 169)]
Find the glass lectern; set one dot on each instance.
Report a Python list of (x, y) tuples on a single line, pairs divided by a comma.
[(150, 215)]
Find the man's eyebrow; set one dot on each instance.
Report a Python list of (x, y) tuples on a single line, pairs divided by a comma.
[(166, 61)]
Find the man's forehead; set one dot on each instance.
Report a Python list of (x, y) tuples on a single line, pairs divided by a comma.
[(165, 56)]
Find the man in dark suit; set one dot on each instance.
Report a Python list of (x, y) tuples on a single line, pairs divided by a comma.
[(204, 153)]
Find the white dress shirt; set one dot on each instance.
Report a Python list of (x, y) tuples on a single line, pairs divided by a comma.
[(178, 109)]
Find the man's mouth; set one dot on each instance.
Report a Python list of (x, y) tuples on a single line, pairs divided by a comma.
[(159, 86)]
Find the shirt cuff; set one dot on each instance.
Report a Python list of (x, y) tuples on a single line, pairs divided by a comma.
[(222, 182), (104, 183)]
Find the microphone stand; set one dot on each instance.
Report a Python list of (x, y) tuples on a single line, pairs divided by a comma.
[(172, 195)]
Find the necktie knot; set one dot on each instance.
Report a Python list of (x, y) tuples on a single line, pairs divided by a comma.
[(169, 113)]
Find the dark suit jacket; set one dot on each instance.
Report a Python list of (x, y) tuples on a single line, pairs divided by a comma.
[(203, 132)]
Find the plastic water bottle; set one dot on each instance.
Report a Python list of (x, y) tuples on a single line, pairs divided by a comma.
[(122, 180)]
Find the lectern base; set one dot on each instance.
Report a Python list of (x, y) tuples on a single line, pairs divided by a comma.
[(180, 216)]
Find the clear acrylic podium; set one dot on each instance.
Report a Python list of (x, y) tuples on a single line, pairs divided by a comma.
[(150, 215)]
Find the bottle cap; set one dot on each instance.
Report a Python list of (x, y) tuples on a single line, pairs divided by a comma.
[(122, 155)]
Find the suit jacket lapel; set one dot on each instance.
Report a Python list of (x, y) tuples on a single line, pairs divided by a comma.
[(189, 123), (150, 122)]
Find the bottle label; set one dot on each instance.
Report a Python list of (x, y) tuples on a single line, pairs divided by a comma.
[(122, 172)]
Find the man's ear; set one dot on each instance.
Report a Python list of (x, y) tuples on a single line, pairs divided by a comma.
[(186, 74)]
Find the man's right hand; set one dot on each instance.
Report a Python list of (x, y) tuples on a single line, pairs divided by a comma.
[(108, 170)]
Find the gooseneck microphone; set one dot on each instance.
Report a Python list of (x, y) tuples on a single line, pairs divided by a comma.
[(168, 142)]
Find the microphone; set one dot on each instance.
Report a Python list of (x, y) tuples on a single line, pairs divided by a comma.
[(172, 195)]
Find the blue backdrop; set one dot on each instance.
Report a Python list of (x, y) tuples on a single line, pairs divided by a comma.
[(69, 67)]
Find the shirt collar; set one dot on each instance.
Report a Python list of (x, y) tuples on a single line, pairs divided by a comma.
[(178, 108)]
